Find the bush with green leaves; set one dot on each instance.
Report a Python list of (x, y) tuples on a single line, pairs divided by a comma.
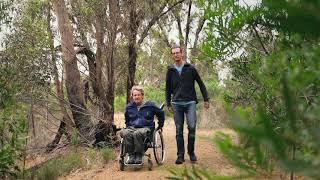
[(195, 172), (272, 49), (12, 121)]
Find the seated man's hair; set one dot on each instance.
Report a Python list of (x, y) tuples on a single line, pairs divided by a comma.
[(137, 88)]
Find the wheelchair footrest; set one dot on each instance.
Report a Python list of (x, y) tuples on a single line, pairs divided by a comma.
[(134, 165)]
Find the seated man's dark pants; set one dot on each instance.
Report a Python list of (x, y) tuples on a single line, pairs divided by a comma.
[(133, 139)]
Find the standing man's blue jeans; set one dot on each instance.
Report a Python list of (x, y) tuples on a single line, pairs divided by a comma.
[(190, 111)]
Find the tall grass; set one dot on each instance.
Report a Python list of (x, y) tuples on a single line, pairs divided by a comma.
[(60, 166), (65, 164), (106, 154)]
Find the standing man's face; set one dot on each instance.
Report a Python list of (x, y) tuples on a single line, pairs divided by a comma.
[(137, 97), (176, 54)]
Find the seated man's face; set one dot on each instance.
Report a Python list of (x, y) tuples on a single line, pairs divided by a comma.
[(137, 97)]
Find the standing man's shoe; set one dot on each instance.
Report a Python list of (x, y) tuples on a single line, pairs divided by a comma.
[(179, 160), (193, 158)]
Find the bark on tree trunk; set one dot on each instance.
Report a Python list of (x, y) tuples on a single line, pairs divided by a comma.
[(131, 68), (73, 85), (132, 52), (114, 16), (66, 125), (62, 130), (185, 46), (194, 51)]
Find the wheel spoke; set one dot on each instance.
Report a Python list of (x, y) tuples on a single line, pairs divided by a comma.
[(158, 147)]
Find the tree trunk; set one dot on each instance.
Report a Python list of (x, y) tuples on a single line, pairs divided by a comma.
[(114, 16), (73, 85), (62, 130), (131, 68), (194, 51), (69, 122), (185, 46), (176, 14), (101, 57), (132, 52), (66, 125)]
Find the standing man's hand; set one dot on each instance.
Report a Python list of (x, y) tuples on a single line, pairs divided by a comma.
[(170, 109), (206, 105)]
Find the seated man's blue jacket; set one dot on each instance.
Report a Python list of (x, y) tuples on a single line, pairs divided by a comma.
[(144, 117)]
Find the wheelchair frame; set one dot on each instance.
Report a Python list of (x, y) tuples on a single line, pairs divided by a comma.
[(153, 142)]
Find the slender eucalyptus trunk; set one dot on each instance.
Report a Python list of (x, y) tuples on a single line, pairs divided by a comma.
[(73, 83)]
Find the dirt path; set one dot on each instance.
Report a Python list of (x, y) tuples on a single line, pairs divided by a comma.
[(208, 157)]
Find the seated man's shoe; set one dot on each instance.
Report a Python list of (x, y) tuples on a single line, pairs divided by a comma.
[(193, 157), (180, 160), (131, 159), (138, 159)]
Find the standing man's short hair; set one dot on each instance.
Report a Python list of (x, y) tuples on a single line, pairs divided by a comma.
[(176, 46)]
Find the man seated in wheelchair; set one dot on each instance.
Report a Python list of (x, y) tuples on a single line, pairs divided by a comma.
[(139, 119)]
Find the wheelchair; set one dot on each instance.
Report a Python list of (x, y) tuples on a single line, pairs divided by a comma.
[(155, 141)]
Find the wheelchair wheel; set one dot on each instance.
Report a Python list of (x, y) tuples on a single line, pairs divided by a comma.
[(121, 164), (158, 147), (122, 156)]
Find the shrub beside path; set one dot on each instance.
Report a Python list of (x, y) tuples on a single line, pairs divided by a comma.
[(208, 155)]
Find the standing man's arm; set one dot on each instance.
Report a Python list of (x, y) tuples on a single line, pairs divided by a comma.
[(202, 89), (168, 90)]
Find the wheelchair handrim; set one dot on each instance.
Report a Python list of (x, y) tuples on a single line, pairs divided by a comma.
[(158, 157)]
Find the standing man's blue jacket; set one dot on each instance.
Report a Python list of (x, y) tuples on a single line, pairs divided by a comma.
[(144, 117)]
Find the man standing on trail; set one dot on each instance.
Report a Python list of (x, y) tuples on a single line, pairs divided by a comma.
[(139, 119), (180, 80)]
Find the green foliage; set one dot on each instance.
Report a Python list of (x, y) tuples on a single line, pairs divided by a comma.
[(92, 154), (60, 166), (64, 164), (120, 103), (272, 50), (155, 94), (212, 87), (194, 173), (106, 154), (12, 121), (240, 157), (294, 16), (27, 45), (24, 73)]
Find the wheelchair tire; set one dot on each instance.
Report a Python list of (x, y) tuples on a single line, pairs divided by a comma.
[(121, 163), (122, 156), (158, 147)]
